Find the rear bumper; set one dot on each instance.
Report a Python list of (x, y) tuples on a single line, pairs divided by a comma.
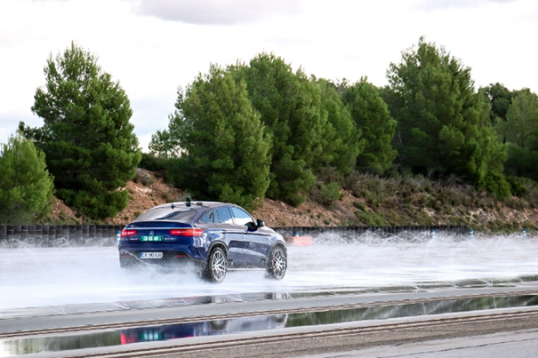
[(174, 259), (129, 254)]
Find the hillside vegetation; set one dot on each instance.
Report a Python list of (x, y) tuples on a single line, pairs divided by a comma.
[(367, 201), (428, 148)]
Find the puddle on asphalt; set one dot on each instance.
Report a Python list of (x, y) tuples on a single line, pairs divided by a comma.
[(245, 297), (14, 347)]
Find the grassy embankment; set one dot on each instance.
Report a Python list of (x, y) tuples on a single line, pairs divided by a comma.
[(416, 200)]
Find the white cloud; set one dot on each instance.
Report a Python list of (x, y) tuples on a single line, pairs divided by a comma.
[(215, 12)]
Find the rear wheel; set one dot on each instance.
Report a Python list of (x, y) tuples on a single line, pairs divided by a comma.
[(216, 266), (278, 263)]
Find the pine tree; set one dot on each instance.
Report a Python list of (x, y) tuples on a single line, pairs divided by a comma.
[(499, 98), (226, 152), (290, 108), (520, 130), (88, 140), (25, 184), (371, 115), (443, 124), (341, 139)]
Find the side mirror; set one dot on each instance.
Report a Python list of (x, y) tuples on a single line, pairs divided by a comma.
[(261, 223)]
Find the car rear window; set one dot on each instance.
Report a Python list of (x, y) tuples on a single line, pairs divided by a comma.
[(210, 218), (166, 214)]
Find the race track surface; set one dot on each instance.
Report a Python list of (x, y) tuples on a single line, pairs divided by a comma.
[(49, 293)]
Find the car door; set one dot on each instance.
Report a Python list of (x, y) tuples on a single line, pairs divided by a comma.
[(257, 244), (211, 223), (234, 237)]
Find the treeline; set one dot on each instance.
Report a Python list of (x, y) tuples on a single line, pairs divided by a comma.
[(256, 129), (250, 130), (260, 129)]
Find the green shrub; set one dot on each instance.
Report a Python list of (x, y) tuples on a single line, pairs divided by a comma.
[(370, 218), (152, 163), (359, 205), (325, 194), (330, 175), (145, 178), (331, 193), (25, 184), (516, 203), (497, 185), (516, 186)]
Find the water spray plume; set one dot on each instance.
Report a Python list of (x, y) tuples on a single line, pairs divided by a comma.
[(67, 276)]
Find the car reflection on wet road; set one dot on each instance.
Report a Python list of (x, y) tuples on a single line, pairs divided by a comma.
[(54, 343)]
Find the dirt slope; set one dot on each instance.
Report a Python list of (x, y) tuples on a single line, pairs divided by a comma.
[(146, 192), (149, 190)]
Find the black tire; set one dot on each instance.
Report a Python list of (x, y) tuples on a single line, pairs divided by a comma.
[(278, 263), (217, 265), (218, 325)]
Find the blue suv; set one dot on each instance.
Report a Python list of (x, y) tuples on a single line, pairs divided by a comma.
[(216, 237)]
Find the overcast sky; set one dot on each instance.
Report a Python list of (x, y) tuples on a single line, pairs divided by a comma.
[(154, 46)]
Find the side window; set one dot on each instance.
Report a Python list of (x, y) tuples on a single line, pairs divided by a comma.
[(224, 215), (241, 217), (210, 217)]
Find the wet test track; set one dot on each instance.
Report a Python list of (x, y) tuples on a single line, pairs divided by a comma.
[(336, 297)]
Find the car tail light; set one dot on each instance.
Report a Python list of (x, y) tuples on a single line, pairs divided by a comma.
[(125, 338), (187, 232), (126, 232)]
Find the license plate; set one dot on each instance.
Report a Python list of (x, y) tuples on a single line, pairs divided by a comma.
[(151, 255), (151, 238)]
